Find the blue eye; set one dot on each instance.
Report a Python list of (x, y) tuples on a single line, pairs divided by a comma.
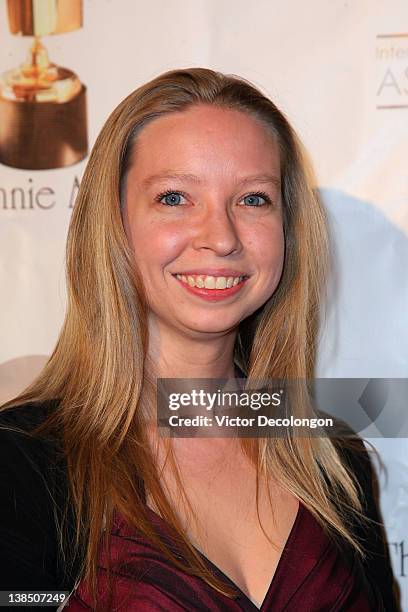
[(253, 199), (171, 198)]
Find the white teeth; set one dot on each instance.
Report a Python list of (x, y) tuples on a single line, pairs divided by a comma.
[(221, 282), (210, 282)]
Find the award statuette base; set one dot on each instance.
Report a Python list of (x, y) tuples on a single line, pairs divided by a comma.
[(38, 136)]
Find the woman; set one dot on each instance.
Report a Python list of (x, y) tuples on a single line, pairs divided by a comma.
[(197, 249)]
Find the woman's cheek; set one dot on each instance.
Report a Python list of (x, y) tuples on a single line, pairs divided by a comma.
[(171, 239)]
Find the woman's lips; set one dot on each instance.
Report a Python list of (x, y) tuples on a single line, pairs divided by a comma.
[(212, 295)]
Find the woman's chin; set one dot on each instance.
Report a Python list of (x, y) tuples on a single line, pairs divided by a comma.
[(211, 325)]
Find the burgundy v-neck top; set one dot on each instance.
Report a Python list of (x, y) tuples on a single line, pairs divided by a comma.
[(312, 575)]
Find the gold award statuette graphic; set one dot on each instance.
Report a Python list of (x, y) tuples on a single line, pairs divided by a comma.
[(42, 105)]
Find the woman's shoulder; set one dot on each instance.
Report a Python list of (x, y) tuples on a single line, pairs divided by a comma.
[(21, 450), (358, 458), (26, 415), (33, 493), (371, 534), (353, 452)]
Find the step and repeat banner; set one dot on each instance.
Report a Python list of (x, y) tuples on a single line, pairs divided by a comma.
[(338, 70)]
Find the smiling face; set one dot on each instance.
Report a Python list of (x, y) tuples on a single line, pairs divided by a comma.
[(202, 210)]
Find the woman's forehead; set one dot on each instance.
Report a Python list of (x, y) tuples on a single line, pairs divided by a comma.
[(205, 139), (205, 120)]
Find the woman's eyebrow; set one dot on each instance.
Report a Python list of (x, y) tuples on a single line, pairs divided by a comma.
[(258, 178)]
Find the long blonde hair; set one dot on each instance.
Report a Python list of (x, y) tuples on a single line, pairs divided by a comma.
[(97, 371)]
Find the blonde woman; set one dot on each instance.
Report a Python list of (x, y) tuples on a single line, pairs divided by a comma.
[(197, 249)]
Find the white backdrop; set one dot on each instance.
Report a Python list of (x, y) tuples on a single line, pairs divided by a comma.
[(339, 71)]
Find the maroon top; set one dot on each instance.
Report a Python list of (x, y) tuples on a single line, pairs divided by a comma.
[(312, 575)]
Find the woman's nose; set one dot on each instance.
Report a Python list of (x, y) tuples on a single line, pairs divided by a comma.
[(217, 231)]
